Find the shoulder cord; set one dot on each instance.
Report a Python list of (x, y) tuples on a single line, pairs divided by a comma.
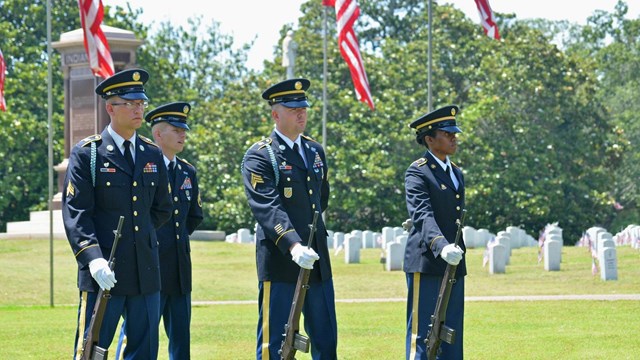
[(274, 164), (93, 163), (272, 156)]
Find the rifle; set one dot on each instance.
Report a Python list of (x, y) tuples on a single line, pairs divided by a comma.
[(90, 349), (438, 331), (293, 340)]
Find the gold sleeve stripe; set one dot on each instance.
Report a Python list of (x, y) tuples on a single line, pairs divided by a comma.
[(434, 239), (281, 235), (79, 252)]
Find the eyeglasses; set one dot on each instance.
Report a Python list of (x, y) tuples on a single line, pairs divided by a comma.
[(132, 105)]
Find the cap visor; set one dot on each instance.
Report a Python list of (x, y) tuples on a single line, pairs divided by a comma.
[(451, 129), (134, 96), (296, 104), (179, 124)]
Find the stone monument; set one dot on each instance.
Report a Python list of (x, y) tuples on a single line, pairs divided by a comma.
[(289, 48), (84, 111)]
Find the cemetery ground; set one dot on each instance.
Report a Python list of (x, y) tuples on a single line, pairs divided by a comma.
[(370, 305)]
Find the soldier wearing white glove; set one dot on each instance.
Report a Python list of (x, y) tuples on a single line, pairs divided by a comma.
[(452, 254), (303, 256), (102, 274)]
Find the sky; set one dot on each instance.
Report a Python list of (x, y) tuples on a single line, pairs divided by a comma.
[(262, 20)]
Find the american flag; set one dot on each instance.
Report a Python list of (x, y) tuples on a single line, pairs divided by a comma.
[(347, 11), (3, 69), (95, 43), (487, 20)]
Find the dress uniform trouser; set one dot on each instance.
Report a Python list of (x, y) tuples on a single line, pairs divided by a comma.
[(142, 338), (274, 302), (424, 290)]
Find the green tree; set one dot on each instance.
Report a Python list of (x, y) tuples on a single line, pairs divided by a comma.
[(612, 42), (23, 127)]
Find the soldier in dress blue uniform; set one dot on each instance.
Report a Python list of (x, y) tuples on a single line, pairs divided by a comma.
[(118, 173), (435, 198), (169, 127), (285, 178)]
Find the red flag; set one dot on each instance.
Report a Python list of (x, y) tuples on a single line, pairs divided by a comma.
[(95, 43), (347, 11), (3, 69), (487, 20)]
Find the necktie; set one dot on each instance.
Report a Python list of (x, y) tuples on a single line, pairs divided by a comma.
[(127, 153), (172, 172), (453, 177), (296, 149)]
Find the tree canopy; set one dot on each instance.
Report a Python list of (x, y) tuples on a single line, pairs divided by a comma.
[(547, 112)]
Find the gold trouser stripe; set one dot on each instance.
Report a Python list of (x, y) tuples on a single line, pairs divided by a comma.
[(266, 302), (81, 323), (414, 315)]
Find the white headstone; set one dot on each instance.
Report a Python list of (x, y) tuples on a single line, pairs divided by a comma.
[(469, 237), (377, 240), (402, 240), (231, 238), (330, 238), (552, 251), (504, 240), (395, 253), (398, 231), (244, 236), (608, 263), (388, 234), (497, 259), (516, 235), (352, 249), (554, 236), (483, 237), (555, 230), (338, 239), (367, 239)]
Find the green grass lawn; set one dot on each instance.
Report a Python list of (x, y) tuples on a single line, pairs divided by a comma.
[(31, 329)]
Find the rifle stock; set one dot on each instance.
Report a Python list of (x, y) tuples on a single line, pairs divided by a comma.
[(90, 349), (438, 331), (294, 341)]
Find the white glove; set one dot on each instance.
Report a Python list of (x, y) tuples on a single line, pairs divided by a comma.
[(407, 224), (102, 274), (451, 254), (304, 256)]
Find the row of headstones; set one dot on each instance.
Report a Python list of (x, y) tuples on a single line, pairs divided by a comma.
[(499, 248), (602, 247), (392, 239), (480, 238), (629, 236)]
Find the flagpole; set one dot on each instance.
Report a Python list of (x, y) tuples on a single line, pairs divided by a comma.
[(50, 149), (429, 106), (324, 78)]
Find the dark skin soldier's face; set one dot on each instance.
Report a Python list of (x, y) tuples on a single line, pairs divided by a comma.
[(442, 144)]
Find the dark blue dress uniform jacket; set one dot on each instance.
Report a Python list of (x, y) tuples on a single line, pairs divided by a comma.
[(284, 212), (434, 205), (91, 213), (175, 251)]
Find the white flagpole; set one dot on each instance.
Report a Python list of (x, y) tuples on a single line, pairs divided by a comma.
[(429, 106), (50, 149), (324, 79)]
